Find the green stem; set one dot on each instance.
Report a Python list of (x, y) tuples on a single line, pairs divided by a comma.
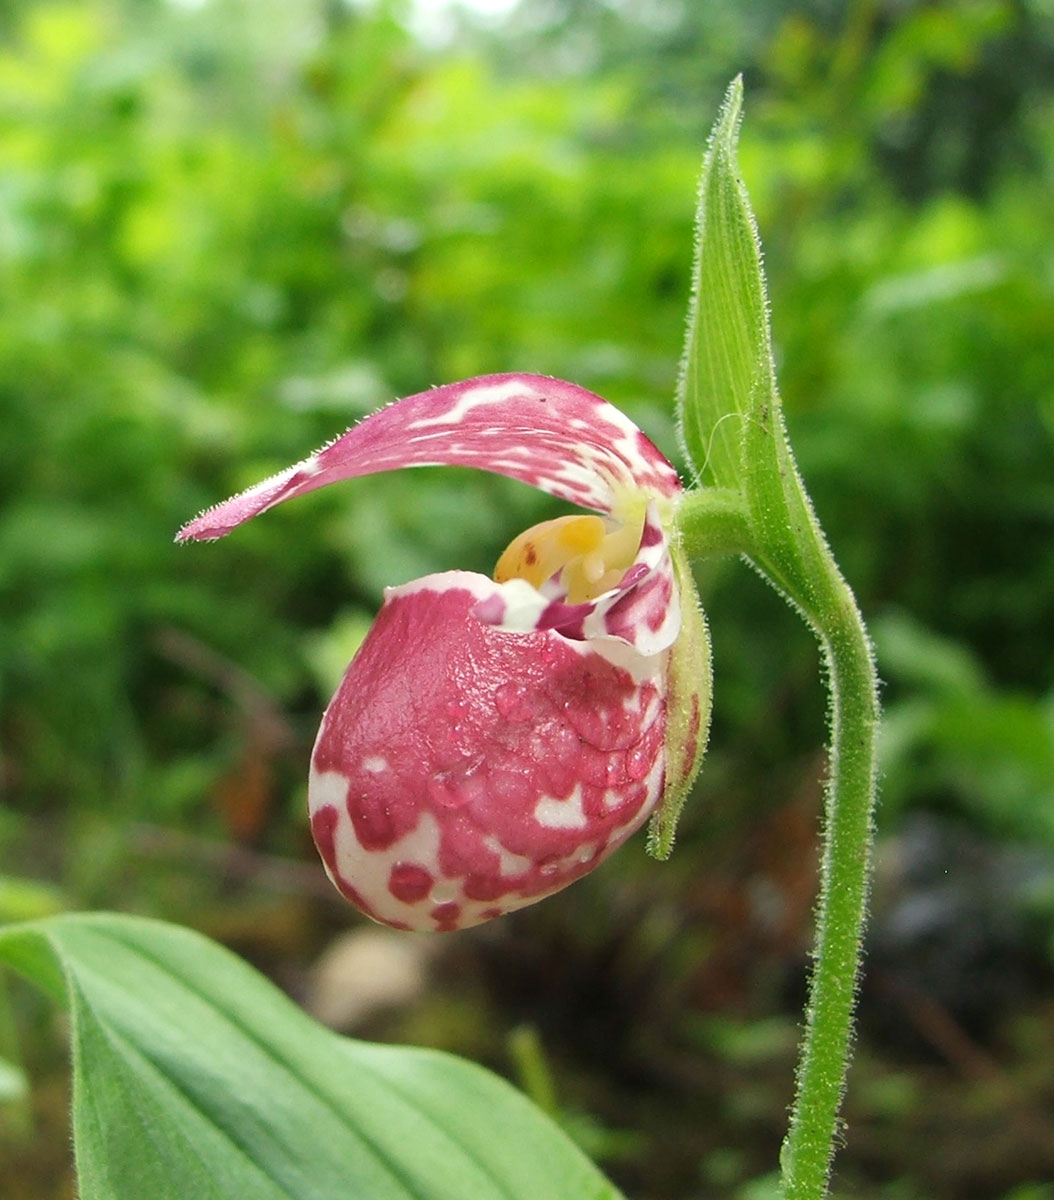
[(714, 521), (844, 880), (793, 553)]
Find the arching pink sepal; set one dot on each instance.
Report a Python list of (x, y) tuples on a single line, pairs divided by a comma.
[(551, 434)]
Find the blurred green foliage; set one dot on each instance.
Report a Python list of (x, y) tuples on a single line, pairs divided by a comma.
[(229, 228)]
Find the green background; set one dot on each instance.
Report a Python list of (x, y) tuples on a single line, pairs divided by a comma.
[(227, 230)]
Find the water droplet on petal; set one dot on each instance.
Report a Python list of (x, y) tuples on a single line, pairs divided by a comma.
[(604, 729), (513, 702), (638, 762), (443, 791)]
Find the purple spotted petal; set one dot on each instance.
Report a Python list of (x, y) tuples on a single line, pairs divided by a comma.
[(553, 435), (462, 772)]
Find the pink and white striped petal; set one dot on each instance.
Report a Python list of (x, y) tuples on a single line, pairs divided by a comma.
[(545, 432), (462, 771)]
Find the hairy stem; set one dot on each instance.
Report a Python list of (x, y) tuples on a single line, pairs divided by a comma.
[(711, 523), (844, 879)]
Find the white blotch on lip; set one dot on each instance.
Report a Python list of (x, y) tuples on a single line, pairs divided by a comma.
[(375, 764), (561, 814), (510, 864), (327, 789)]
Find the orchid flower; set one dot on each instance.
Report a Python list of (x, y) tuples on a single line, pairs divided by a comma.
[(495, 739)]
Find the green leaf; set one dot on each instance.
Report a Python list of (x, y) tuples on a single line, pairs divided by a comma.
[(727, 349), (194, 1076), (729, 410)]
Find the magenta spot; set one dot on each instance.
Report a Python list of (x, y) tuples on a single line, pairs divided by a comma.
[(633, 575), (557, 770), (595, 801), (409, 882), (324, 831), (651, 536), (373, 822), (463, 852), (658, 606), (485, 887), (446, 916)]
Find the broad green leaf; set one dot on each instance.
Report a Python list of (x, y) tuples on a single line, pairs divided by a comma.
[(194, 1076)]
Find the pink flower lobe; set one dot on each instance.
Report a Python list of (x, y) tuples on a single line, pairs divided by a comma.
[(462, 771)]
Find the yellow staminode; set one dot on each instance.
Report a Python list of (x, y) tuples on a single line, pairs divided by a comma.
[(590, 558)]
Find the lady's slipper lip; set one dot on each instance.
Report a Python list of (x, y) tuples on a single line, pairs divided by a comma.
[(546, 432), (462, 772)]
